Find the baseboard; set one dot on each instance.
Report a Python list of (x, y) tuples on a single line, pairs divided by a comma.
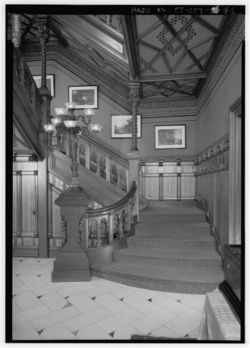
[(25, 252)]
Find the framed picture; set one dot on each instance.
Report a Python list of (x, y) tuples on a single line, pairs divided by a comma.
[(83, 96), (170, 137), (50, 82), (121, 126)]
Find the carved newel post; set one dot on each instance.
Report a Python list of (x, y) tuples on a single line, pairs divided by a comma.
[(134, 155), (72, 264)]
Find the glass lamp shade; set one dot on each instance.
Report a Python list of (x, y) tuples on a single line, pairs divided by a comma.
[(89, 112), (70, 123), (95, 128), (70, 105), (49, 127), (55, 120), (60, 111)]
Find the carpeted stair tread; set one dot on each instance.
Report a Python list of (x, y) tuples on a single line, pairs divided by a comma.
[(168, 225), (170, 253), (172, 250), (166, 273), (174, 236), (172, 218), (170, 243)]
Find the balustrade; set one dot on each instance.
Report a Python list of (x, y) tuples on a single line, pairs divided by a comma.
[(104, 225), (96, 156), (24, 77)]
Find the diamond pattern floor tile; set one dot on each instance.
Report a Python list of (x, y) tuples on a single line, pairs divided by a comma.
[(59, 330), (93, 332), (25, 331), (99, 309)]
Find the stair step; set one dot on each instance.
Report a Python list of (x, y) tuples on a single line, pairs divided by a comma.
[(174, 235), (196, 280), (164, 256), (170, 243), (166, 227), (173, 218)]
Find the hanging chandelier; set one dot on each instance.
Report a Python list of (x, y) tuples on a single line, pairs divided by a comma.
[(68, 119)]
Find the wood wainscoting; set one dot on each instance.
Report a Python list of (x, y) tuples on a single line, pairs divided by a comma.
[(167, 180), (212, 189)]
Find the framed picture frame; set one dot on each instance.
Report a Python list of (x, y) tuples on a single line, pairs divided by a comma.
[(121, 126), (83, 96), (170, 137), (50, 82)]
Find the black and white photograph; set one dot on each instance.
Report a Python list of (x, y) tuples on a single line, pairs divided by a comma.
[(125, 190)]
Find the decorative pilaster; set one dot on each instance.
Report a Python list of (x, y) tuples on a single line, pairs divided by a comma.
[(178, 167)]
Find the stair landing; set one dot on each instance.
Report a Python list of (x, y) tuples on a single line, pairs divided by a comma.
[(172, 250)]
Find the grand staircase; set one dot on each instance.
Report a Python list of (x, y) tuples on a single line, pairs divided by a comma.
[(172, 250)]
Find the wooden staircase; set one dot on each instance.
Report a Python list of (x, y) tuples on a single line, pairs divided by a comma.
[(172, 250)]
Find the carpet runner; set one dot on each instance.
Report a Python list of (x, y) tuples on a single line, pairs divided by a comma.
[(172, 250)]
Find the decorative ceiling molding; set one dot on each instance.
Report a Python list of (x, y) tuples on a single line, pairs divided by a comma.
[(226, 48), (173, 76), (184, 106)]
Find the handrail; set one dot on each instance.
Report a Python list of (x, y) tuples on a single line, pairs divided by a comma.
[(97, 156), (99, 227), (25, 78), (113, 207)]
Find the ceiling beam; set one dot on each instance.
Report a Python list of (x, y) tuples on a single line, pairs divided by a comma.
[(150, 45), (199, 43), (175, 34), (168, 43), (58, 34), (173, 76), (129, 30), (148, 30), (207, 25), (25, 32), (166, 62)]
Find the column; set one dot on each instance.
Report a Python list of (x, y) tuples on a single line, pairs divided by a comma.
[(42, 179), (134, 98), (134, 155)]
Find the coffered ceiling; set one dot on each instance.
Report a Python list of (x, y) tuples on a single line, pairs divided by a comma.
[(168, 54)]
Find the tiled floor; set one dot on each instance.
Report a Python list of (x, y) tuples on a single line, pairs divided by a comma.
[(99, 309)]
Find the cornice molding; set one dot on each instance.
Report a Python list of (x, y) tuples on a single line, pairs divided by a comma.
[(227, 48), (168, 107)]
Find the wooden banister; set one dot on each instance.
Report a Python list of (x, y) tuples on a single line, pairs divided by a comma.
[(103, 225)]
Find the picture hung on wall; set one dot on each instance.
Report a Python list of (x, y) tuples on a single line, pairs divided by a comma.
[(170, 137), (50, 82), (83, 96), (121, 126)]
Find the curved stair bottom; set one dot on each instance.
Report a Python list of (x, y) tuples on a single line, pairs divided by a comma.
[(136, 278)]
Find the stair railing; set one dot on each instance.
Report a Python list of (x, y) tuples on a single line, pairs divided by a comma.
[(97, 156), (24, 77), (102, 226)]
